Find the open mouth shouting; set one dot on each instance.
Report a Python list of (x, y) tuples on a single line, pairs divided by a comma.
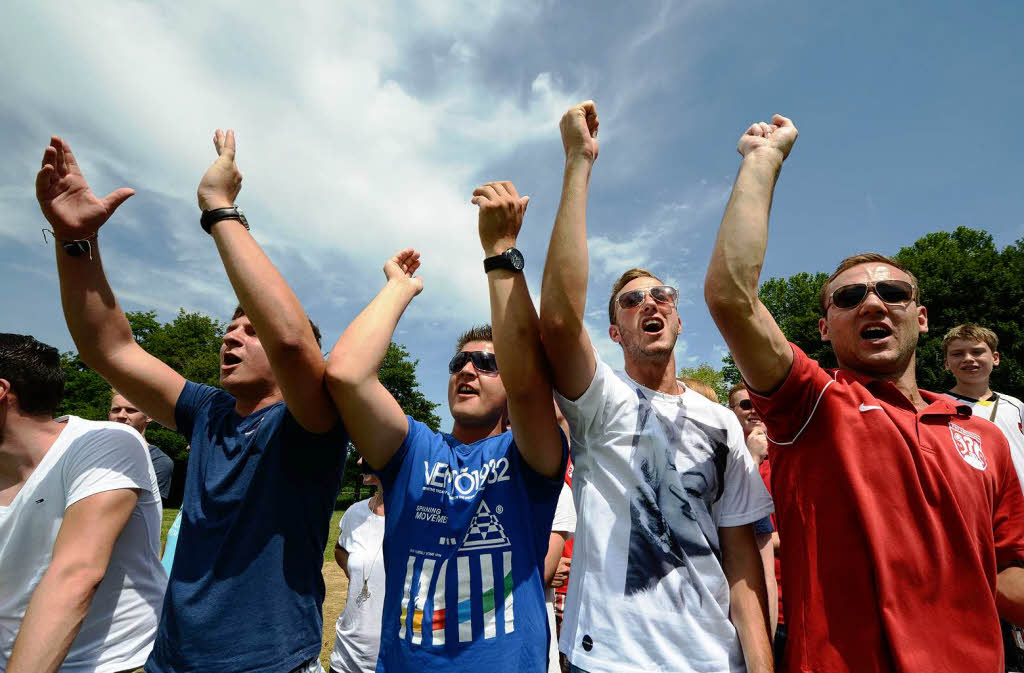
[(875, 333), (464, 390), (229, 361), (652, 324)]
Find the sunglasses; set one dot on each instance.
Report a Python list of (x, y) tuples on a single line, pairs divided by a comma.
[(663, 294), (484, 362), (745, 405), (897, 292)]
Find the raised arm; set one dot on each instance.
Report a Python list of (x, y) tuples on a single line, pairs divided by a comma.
[(514, 325), (62, 598), (95, 320), (563, 295), (759, 347), (271, 306), (374, 419)]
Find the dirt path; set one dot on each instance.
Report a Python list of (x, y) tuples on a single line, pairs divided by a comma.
[(334, 603)]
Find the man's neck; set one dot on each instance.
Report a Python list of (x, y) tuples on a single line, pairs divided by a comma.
[(975, 391), (23, 445), (469, 434), (656, 374), (247, 405), (904, 380)]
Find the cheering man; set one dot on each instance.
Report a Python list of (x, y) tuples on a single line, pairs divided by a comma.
[(666, 573), (898, 510), (469, 513), (246, 588)]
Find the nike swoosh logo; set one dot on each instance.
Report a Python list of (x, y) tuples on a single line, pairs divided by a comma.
[(869, 407), (255, 428)]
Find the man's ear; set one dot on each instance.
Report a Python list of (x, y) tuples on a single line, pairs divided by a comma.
[(995, 358), (823, 329), (613, 332), (5, 389), (922, 320)]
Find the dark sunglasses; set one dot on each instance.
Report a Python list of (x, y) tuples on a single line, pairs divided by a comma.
[(745, 405), (663, 294), (889, 291), (484, 362)]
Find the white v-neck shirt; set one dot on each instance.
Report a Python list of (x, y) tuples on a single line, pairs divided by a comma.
[(88, 457)]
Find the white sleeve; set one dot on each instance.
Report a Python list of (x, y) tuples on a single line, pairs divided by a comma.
[(105, 459), (347, 525), (586, 414), (565, 512), (745, 498)]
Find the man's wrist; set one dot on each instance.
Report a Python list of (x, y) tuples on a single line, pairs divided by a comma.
[(498, 247), (214, 204), (579, 159), (767, 156)]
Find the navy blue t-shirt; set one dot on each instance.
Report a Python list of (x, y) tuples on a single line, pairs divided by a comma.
[(246, 589), (465, 535)]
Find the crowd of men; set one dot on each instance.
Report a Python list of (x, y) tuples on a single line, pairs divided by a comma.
[(897, 527)]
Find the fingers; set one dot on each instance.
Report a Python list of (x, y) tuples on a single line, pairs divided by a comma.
[(523, 202), (753, 130), (115, 198), (46, 176), (224, 143), (780, 121), (485, 193), (49, 157), (58, 145), (69, 157)]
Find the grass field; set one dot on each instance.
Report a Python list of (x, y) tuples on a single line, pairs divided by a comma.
[(334, 580)]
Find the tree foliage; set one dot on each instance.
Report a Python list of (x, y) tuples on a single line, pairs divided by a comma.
[(963, 277), (705, 373)]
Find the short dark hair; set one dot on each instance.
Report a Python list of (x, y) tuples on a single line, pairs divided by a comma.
[(625, 278), (34, 372), (864, 258), (474, 333), (239, 312)]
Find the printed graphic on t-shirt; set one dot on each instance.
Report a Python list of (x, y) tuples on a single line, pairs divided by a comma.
[(481, 571), (969, 445), (670, 509)]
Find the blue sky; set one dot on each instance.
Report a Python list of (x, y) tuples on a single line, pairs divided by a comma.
[(364, 127)]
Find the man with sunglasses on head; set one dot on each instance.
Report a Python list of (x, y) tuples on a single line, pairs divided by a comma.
[(901, 515), (666, 574), (469, 512)]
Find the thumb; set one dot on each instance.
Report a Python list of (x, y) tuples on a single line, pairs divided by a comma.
[(115, 198), (524, 202)]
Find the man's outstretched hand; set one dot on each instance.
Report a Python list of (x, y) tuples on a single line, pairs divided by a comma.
[(222, 181), (777, 137), (501, 215), (401, 270), (68, 204)]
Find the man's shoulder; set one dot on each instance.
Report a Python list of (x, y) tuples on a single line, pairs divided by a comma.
[(1011, 400), (86, 431), (159, 456)]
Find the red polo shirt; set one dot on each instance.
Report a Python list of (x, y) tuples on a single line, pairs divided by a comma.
[(894, 523)]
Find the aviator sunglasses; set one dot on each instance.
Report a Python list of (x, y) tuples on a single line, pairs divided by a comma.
[(897, 292), (663, 294), (484, 362)]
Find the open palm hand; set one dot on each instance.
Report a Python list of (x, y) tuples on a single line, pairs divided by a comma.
[(68, 204)]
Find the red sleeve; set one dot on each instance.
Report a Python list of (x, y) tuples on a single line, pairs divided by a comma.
[(1008, 517), (788, 410)]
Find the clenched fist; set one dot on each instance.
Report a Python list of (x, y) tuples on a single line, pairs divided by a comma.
[(579, 131), (778, 136), (222, 181), (501, 215)]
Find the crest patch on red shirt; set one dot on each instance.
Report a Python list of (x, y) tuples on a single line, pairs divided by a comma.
[(969, 445)]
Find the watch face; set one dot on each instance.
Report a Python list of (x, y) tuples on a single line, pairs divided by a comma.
[(515, 258)]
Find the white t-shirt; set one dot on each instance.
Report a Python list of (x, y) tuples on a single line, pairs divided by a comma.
[(357, 633), (564, 522), (1009, 417), (655, 476), (88, 457)]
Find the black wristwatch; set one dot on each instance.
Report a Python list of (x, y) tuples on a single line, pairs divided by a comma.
[(511, 259), (211, 217)]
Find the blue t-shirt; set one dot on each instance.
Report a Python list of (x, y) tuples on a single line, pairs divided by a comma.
[(466, 532), (246, 589)]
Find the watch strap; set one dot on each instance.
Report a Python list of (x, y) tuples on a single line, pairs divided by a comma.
[(211, 217), (503, 261)]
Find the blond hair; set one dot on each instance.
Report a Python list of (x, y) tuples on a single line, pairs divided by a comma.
[(699, 386), (970, 332)]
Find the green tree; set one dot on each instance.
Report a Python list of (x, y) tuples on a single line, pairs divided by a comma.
[(705, 373)]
